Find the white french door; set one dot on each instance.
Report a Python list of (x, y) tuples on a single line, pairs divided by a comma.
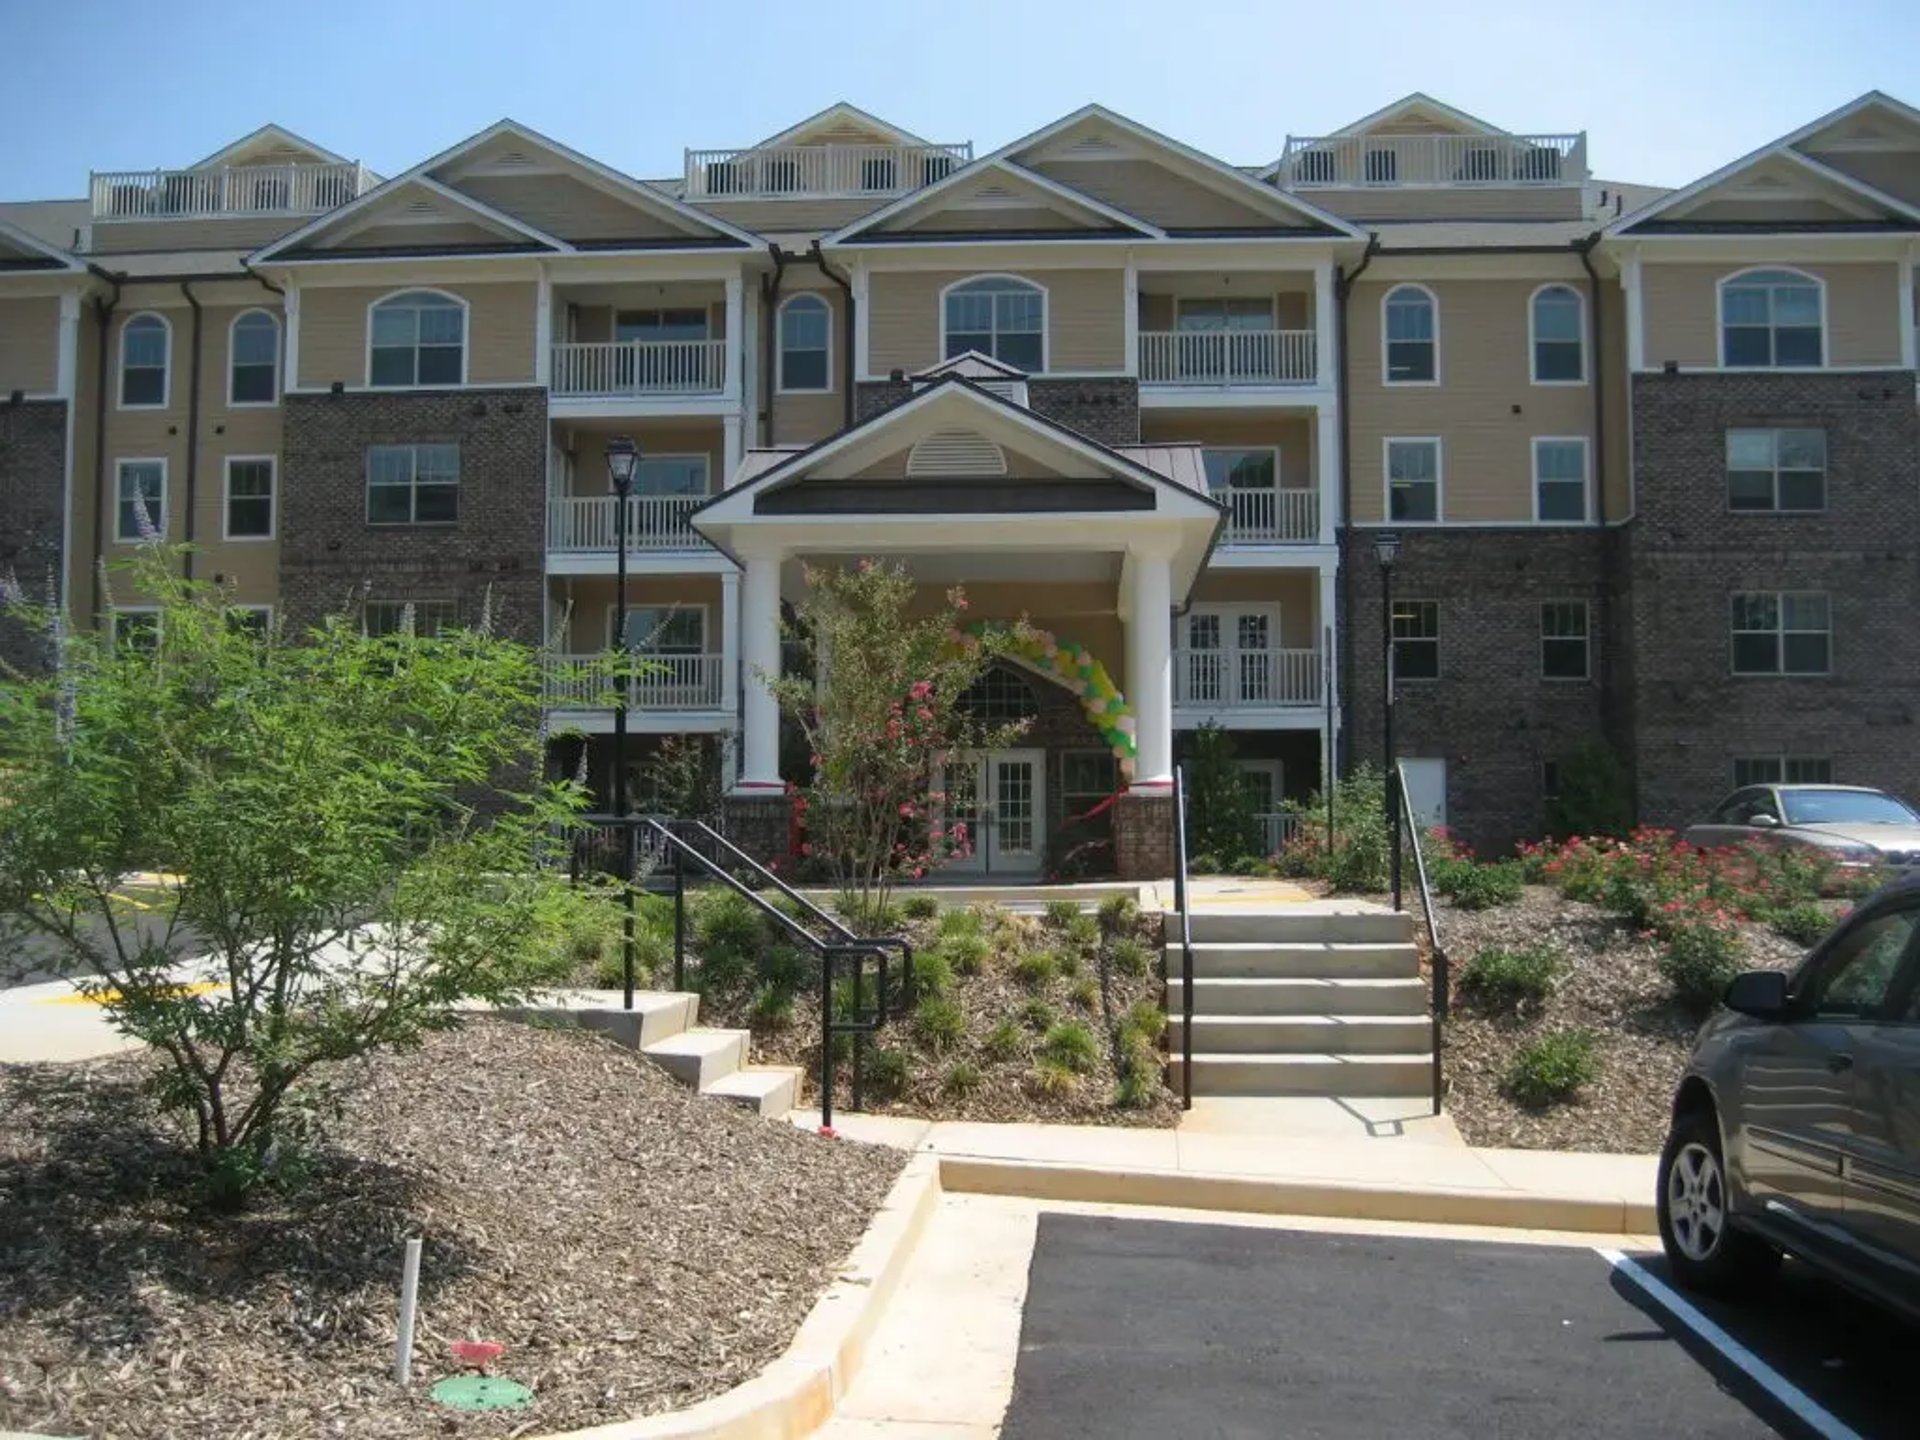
[(1000, 796), (1228, 656)]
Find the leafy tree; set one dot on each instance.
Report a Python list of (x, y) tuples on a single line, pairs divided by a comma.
[(882, 726), (259, 856), (1219, 811), (1595, 795)]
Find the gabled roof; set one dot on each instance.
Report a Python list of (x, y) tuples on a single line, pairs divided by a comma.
[(927, 198), (13, 237), (355, 215), (971, 365), (265, 134), (1784, 146), (1420, 100), (839, 110)]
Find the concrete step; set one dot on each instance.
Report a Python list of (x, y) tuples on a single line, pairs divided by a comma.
[(656, 1014), (1299, 995), (700, 1057), (1326, 1074), (1306, 921), (1323, 959), (1307, 1034), (770, 1090)]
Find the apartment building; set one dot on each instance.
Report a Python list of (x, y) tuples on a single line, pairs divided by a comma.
[(1650, 459)]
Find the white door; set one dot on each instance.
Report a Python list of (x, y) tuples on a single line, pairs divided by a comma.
[(1426, 791), (1000, 796)]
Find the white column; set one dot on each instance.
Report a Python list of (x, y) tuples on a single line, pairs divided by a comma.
[(759, 657), (543, 331), (730, 645), (861, 310), (736, 321), (1130, 297), (730, 450), (292, 365), (1326, 337), (1636, 332), (1326, 459), (751, 352), (1909, 322), (1149, 582), (68, 367)]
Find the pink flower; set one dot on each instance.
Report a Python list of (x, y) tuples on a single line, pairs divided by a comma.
[(921, 689)]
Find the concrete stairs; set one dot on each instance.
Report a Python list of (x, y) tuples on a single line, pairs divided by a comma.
[(663, 1027), (1309, 999)]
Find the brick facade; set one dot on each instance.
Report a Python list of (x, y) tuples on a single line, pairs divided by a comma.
[(330, 555), (33, 465), (1143, 836)]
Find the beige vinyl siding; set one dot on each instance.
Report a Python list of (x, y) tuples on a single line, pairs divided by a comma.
[(1617, 482), (1294, 434), (30, 345), (1086, 317), (1486, 448), (1896, 172), (1547, 202), (1680, 304), (244, 233), (845, 132), (1158, 194), (1015, 218), (801, 419), (567, 207), (421, 235), (1748, 212), (500, 328), (1296, 592), (790, 216), (586, 601)]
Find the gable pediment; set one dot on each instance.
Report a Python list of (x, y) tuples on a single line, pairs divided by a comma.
[(1002, 198), (417, 215), (532, 182), (1776, 190)]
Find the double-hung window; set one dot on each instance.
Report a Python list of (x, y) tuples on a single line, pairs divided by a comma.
[(1413, 479), (1559, 345), (1785, 632), (144, 344), (249, 497), (1777, 470), (1412, 325), (1770, 319), (1564, 640), (1416, 640), (413, 484), (140, 509), (804, 344), (417, 338), (253, 360), (1560, 479), (1000, 316), (422, 618)]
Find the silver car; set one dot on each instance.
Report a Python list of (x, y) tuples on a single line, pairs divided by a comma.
[(1851, 825), (1797, 1125)]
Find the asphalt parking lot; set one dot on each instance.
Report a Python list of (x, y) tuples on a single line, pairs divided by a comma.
[(1156, 1329)]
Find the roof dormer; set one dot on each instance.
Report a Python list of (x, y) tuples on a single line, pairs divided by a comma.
[(841, 153)]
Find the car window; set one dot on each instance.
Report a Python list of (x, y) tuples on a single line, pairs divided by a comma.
[(1733, 809), (1855, 977), (1846, 807)]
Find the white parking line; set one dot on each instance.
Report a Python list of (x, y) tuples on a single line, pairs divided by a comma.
[(1816, 1418)]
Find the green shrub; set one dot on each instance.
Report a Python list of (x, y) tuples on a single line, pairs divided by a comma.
[(1700, 958), (966, 954), (1358, 860), (920, 907), (1482, 887), (1062, 913), (957, 923), (788, 966), (1220, 819), (1038, 1015), (725, 919), (1085, 993), (886, 1071), (1552, 1069), (652, 962), (1205, 863), (1594, 795), (1503, 979), (1130, 956), (1004, 1041), (772, 1008), (1803, 922), (1146, 1019), (932, 972), (1051, 1081), (962, 1079), (1119, 915), (1071, 1044), (1034, 968), (938, 1024)]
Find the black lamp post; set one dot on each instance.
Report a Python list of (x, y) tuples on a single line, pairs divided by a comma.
[(623, 459), (1386, 549)]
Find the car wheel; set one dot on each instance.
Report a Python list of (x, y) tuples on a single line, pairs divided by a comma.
[(1704, 1250)]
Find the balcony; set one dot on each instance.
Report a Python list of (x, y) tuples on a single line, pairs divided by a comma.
[(584, 524), (1386, 161), (786, 172), (1227, 358), (663, 683), (635, 369), (1245, 679), (225, 192), (1271, 517)]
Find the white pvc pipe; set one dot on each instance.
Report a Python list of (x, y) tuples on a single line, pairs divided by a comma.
[(409, 1291)]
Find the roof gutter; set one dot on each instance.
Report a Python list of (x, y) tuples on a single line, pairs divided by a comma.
[(1343, 284), (193, 430), (769, 341), (846, 349)]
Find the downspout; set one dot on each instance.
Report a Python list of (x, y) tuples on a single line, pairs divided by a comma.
[(846, 343), (1610, 723), (193, 430), (103, 314), (1342, 288), (769, 341)]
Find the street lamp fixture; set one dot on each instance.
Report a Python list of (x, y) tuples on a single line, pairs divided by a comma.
[(1386, 550), (623, 460)]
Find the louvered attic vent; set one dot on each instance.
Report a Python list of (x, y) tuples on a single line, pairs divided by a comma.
[(956, 452), (420, 210), (1094, 147)]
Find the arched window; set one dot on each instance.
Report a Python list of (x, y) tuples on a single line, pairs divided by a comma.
[(418, 337), (998, 315), (806, 354), (1771, 318), (1557, 323), (253, 359), (1411, 321), (999, 694), (144, 344)]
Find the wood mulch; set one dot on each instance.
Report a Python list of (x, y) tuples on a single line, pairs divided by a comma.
[(636, 1247)]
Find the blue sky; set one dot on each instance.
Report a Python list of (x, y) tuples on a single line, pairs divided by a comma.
[(1667, 91)]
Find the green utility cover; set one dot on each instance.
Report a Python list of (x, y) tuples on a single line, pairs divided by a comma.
[(482, 1392)]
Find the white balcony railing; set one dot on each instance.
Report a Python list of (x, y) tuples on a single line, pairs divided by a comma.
[(1246, 679), (787, 171), (1227, 357), (620, 368), (226, 191), (1277, 829), (578, 524), (1369, 161), (1271, 517), (663, 682)]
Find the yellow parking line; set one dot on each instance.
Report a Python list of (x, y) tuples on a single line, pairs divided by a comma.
[(107, 997)]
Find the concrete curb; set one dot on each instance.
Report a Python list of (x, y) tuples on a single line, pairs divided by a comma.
[(1508, 1209), (796, 1394)]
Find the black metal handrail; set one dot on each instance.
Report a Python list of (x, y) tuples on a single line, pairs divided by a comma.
[(1186, 934), (1442, 976)]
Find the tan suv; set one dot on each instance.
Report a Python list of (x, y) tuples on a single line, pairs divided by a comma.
[(1797, 1125)]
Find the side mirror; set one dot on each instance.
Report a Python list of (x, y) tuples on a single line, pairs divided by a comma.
[(1759, 993), (1763, 821)]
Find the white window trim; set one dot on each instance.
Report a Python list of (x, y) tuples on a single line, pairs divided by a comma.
[(780, 387), (1225, 449), (250, 609), (1233, 610), (159, 521), (466, 337), (226, 499), (279, 360), (402, 604), (413, 482), (1586, 477), (1273, 768), (1439, 652), (1533, 347), (1585, 677), (166, 371), (672, 607), (1386, 363), (1775, 430), (1780, 633), (1720, 322), (114, 614), (1046, 313), (1387, 442)]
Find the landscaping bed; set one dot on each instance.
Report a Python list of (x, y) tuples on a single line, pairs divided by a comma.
[(636, 1247)]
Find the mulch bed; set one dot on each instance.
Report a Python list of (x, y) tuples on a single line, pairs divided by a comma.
[(1612, 987), (637, 1248)]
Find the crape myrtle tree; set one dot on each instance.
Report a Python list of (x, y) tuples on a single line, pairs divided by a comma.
[(260, 853), (883, 728)]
